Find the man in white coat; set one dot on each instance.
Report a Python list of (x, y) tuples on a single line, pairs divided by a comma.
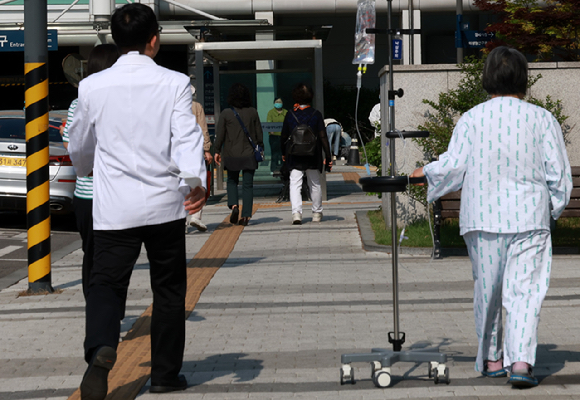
[(133, 129)]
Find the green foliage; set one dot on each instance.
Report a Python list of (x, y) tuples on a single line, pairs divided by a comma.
[(373, 151), (446, 111), (469, 93), (450, 106), (418, 233), (546, 29)]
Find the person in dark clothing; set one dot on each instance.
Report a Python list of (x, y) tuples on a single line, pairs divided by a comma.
[(233, 147), (309, 165)]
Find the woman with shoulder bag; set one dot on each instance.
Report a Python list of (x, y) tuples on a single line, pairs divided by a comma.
[(238, 133)]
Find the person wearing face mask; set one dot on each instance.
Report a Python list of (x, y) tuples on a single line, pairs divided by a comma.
[(276, 114)]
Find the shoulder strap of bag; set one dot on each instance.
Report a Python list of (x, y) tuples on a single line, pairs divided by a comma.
[(244, 128), (295, 117)]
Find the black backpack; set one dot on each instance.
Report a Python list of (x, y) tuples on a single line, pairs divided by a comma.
[(302, 139)]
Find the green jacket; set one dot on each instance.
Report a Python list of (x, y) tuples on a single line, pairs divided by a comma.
[(275, 116)]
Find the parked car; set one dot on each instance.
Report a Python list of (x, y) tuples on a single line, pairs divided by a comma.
[(62, 176)]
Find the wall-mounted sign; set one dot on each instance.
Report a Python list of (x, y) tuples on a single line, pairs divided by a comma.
[(14, 40)]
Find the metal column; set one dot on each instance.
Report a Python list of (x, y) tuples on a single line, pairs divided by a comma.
[(37, 176)]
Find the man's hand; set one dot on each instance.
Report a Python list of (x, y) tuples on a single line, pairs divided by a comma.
[(208, 157), (218, 158), (195, 200), (418, 173)]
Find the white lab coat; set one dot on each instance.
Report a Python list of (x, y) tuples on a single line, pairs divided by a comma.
[(510, 159), (133, 127)]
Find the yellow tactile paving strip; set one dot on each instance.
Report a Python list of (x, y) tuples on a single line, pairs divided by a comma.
[(133, 366), (350, 177)]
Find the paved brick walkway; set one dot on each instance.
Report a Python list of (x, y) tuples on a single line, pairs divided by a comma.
[(281, 309)]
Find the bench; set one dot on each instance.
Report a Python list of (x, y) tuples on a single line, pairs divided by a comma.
[(448, 207)]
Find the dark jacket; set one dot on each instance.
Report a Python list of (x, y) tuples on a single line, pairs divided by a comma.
[(316, 122), (231, 141)]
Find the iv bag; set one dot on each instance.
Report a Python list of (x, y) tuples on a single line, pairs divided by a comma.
[(364, 43)]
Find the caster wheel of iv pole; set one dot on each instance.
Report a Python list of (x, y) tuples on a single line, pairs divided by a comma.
[(431, 368), (441, 375), (346, 375), (375, 366), (382, 379)]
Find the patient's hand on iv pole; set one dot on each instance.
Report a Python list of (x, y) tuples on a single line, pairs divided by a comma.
[(418, 173)]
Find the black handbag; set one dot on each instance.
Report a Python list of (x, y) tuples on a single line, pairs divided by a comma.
[(258, 150)]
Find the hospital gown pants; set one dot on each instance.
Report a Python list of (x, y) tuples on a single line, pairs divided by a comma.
[(512, 270)]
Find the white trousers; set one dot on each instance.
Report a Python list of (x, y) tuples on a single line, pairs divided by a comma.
[(513, 270), (313, 176), (197, 215)]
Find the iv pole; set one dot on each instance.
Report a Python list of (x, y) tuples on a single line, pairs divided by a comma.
[(381, 359)]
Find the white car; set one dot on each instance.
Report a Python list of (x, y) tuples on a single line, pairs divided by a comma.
[(62, 176)]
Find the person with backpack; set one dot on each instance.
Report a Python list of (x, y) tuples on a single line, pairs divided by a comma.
[(303, 141)]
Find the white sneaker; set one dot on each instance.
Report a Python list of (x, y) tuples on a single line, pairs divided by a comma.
[(316, 217), (296, 219), (198, 224)]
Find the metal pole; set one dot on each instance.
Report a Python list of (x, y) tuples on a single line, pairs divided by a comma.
[(37, 182), (393, 172), (459, 16), (411, 37)]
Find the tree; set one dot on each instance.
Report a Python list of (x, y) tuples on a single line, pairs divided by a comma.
[(547, 30)]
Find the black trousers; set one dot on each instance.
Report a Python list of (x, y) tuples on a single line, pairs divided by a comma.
[(83, 209), (247, 190), (116, 252)]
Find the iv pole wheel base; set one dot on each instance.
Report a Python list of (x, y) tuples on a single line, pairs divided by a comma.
[(440, 373), (382, 378), (346, 374)]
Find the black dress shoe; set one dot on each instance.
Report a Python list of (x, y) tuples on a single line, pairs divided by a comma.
[(235, 215), (180, 383), (94, 383)]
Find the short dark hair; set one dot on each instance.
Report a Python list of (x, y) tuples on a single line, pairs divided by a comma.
[(505, 72), (102, 57), (133, 26), (239, 96), (302, 94)]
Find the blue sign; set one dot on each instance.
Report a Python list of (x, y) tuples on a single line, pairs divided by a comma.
[(397, 49), (14, 40)]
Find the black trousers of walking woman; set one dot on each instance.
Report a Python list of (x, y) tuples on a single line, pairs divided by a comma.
[(247, 190), (116, 252)]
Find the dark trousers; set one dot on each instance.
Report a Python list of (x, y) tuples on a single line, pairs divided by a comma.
[(83, 209), (247, 190), (116, 252)]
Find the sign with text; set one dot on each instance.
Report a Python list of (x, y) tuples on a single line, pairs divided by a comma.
[(14, 40), (397, 49), (478, 39), (272, 126)]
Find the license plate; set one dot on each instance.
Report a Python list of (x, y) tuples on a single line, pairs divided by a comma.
[(13, 161)]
